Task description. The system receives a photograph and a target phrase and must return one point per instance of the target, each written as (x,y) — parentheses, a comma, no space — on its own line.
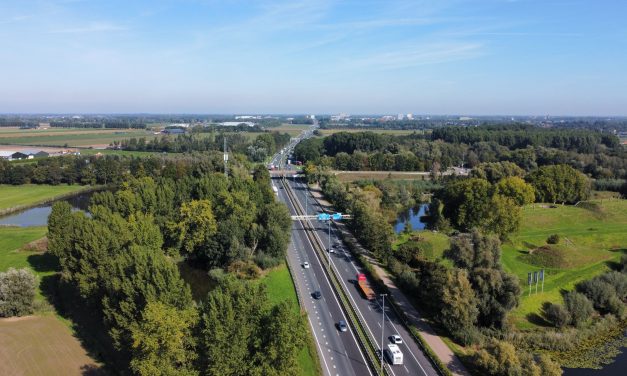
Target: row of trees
(371,151)
(520,136)
(113,169)
(264,145)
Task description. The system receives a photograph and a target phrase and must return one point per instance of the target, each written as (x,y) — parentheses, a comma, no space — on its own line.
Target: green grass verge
(12,239)
(593,236)
(280,288)
(29,194)
(437,243)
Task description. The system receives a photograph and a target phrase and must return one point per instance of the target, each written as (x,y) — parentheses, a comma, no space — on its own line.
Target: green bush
(553,239)
(17,292)
(556,314)
(579,307)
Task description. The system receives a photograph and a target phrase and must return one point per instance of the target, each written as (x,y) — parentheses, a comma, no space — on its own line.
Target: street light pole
(382,326)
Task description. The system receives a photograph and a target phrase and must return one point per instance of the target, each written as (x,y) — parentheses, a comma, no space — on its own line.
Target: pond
(413,216)
(38,215)
(617,368)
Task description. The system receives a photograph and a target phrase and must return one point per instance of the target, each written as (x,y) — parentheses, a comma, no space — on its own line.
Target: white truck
(394,354)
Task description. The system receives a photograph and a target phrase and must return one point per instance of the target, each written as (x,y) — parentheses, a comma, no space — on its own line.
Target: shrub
(579,307)
(553,239)
(556,314)
(17,292)
(602,295)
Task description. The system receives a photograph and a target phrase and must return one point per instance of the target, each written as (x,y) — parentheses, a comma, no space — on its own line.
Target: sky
(473,57)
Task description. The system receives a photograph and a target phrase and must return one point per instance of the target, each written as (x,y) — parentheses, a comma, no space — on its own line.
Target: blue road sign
(337,216)
(323,217)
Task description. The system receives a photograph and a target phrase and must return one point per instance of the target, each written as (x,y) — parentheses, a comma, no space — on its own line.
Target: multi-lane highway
(340,352)
(347,267)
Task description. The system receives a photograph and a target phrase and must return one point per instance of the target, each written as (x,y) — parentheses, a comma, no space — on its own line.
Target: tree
(163,342)
(135,278)
(517,189)
(496,171)
(196,225)
(556,314)
(229,322)
(475,250)
(283,341)
(579,307)
(459,306)
(559,183)
(17,292)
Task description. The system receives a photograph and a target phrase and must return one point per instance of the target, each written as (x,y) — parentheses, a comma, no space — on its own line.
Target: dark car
(341,325)
(317,295)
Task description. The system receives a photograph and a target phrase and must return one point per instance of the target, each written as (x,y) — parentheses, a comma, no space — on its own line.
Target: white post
(382,327)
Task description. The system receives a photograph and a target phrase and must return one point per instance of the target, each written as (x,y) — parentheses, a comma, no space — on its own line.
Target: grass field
(69,136)
(24,195)
(437,243)
(351,176)
(291,129)
(42,345)
(593,236)
(280,288)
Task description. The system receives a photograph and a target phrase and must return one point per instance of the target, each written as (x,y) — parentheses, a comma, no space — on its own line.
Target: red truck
(364,286)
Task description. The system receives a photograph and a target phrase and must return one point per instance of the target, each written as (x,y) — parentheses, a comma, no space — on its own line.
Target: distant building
(35,153)
(247,117)
(180,125)
(339,117)
(400,117)
(19,155)
(410,116)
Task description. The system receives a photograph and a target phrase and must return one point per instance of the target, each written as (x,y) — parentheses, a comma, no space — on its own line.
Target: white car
(330,250)
(396,339)
(306,265)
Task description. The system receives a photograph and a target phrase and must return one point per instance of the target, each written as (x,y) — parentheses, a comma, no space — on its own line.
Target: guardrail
(365,342)
(437,364)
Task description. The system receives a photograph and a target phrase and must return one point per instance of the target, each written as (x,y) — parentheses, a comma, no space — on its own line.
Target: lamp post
(382,326)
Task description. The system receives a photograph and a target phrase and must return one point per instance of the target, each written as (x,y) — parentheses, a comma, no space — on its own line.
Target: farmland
(42,345)
(26,195)
(69,136)
(592,237)
(351,176)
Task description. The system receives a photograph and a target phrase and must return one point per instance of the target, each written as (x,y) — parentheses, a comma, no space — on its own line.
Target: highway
(415,362)
(339,352)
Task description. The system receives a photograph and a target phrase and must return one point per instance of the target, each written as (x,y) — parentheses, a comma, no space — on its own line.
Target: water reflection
(38,216)
(413,216)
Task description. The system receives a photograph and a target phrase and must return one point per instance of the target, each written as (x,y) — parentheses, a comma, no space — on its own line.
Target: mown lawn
(437,243)
(73,137)
(19,195)
(592,238)
(280,288)
(12,239)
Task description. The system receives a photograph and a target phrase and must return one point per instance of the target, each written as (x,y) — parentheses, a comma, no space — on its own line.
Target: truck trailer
(364,286)
(394,354)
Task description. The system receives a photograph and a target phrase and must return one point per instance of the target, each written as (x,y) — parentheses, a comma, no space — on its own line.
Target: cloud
(411,56)
(92,27)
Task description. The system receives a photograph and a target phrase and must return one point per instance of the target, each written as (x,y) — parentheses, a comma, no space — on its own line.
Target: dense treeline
(263,146)
(522,135)
(110,124)
(594,153)
(118,262)
(109,169)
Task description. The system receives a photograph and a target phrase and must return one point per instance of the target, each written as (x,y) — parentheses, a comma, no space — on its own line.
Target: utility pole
(382,326)
(226,159)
